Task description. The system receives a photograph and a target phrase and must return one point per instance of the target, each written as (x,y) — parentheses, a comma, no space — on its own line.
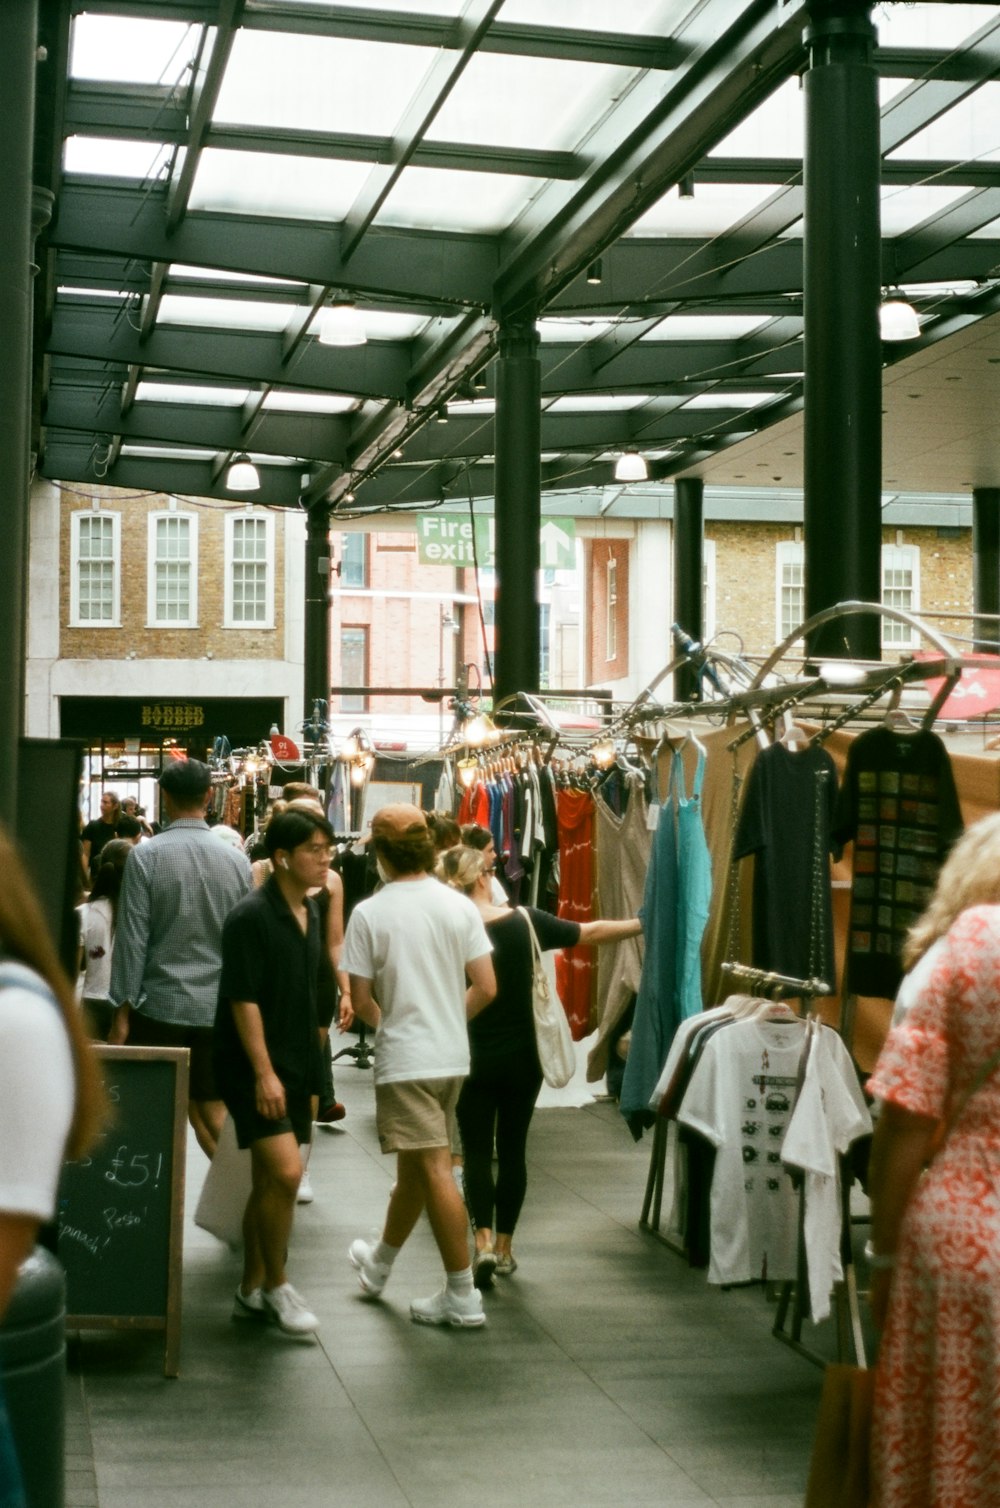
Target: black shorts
(146,1031)
(251,1126)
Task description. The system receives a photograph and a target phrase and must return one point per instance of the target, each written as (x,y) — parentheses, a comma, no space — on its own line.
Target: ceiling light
(630,467)
(342,324)
(898,319)
(242,475)
(595,273)
(479,380)
(442,414)
(685,186)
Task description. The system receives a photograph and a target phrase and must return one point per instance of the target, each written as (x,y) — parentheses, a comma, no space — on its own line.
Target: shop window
(900,589)
(353,668)
(353,560)
(95,574)
(611,616)
(173,570)
(790,588)
(249,570)
(544,614)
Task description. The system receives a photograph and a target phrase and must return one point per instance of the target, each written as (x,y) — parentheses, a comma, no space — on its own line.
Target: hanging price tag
(653,816)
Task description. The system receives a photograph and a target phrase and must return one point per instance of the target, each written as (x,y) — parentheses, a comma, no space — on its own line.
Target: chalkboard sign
(121,1207)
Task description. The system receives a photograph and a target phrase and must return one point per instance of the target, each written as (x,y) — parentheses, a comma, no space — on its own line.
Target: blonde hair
(24,935)
(460,867)
(970,876)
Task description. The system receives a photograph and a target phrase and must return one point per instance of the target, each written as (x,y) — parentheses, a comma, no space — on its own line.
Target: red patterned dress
(936,1435)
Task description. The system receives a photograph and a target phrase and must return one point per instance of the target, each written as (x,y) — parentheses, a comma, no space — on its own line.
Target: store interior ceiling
(232,178)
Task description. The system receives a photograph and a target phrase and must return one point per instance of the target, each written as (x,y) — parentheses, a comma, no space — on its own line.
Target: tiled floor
(608,1372)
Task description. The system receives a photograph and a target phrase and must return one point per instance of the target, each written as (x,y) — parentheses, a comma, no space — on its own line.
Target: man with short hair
(420,967)
(99,832)
(267,1057)
(177,890)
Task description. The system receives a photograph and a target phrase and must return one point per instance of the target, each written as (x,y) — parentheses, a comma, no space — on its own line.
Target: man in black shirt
(99,832)
(267,1054)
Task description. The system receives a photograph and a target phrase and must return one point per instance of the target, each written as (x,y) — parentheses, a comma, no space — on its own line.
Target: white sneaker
(249,1305)
(372,1275)
(464,1310)
(305,1194)
(288,1310)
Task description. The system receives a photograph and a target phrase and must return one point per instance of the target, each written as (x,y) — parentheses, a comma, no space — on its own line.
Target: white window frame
(229,618)
(75,620)
(708,597)
(611,605)
(787,552)
(897,635)
(191,621)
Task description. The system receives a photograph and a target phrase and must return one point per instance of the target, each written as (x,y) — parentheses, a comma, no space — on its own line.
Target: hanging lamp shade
(631,467)
(898,319)
(242,475)
(342,324)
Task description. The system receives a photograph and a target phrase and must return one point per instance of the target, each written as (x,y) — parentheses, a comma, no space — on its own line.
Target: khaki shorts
(416,1114)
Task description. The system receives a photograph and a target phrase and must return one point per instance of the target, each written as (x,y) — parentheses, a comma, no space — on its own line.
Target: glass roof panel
(224,313)
(108,157)
(119,49)
(720,398)
(182,392)
(220,275)
(436,199)
(967,131)
(319,83)
(472,408)
(706,326)
(774,129)
(637,18)
(508,101)
(573,331)
(595,403)
(261,183)
(283,400)
(903,208)
(411,7)
(927,25)
(714,208)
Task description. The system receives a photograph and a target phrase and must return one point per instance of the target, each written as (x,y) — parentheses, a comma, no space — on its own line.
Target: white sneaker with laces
(289,1310)
(305,1194)
(463,1310)
(372,1275)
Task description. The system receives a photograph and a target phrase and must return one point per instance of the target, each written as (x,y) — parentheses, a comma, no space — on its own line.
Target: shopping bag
(226,1190)
(553,1038)
(839,1468)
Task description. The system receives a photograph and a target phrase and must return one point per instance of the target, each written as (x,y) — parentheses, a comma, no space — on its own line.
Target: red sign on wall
(976,692)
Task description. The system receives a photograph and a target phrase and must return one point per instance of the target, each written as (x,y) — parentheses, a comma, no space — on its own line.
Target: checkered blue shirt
(177,890)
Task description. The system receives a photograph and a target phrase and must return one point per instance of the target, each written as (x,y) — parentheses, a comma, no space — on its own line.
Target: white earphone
(283,863)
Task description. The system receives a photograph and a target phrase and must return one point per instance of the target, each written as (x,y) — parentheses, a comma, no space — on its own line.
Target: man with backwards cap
(177,890)
(420,967)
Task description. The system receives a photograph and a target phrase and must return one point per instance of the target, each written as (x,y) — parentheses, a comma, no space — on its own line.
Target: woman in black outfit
(498,1097)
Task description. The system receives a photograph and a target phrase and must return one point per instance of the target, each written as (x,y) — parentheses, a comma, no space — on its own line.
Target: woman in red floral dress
(936,1227)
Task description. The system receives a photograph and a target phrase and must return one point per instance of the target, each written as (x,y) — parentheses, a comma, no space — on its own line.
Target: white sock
(384,1254)
(459,1283)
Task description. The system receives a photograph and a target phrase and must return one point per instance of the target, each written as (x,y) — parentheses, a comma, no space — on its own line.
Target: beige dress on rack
(623,849)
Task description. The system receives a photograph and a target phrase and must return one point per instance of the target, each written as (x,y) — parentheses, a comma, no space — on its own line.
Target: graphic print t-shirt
(899,804)
(741,1098)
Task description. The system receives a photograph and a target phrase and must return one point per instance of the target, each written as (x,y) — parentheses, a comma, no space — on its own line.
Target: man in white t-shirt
(420,967)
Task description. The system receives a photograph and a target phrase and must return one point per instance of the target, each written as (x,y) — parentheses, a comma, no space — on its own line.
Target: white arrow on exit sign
(557,545)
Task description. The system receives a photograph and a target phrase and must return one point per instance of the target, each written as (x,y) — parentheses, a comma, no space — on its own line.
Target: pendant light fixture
(342,324)
(631,467)
(897,318)
(242,475)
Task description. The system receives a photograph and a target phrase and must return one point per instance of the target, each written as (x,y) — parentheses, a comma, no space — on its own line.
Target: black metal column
(689,492)
(986,565)
(317,609)
(18,41)
(518,508)
(843,366)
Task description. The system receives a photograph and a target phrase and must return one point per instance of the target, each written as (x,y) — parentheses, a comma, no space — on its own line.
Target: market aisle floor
(608,1372)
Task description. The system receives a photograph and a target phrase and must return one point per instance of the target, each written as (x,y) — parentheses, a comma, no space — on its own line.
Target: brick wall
(745,574)
(209,637)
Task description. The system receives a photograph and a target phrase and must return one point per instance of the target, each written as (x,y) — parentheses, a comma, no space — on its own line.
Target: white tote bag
(552,1034)
(226,1190)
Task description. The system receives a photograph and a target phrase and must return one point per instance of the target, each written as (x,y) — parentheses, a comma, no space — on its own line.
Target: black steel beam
(204,97)
(107,218)
(929,98)
(73,461)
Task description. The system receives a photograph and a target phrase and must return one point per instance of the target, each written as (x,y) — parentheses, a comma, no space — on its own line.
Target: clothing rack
(764,982)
